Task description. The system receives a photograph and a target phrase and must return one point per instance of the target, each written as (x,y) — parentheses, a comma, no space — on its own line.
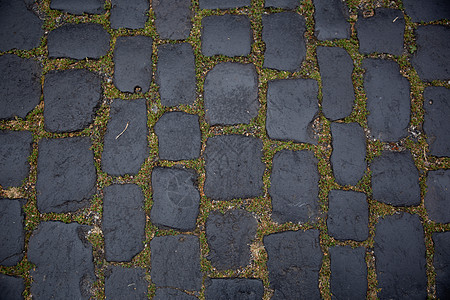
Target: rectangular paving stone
(12,232)
(79,7)
(330,18)
(133,63)
(175,74)
(234,168)
(175,262)
(64,262)
(436,120)
(168,293)
(437,197)
(400,257)
(172,18)
(441,262)
(294,261)
(130,14)
(228,35)
(338,96)
(78,41)
(20,86)
(282,34)
(125,144)
(286,4)
(123,221)
(71,98)
(348,272)
(291,107)
(125,283)
(426,11)
(11,288)
(66,176)
(239,289)
(388,100)
(223,4)
(15,148)
(294,187)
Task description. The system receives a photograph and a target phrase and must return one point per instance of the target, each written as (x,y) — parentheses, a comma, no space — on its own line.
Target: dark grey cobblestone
(173,18)
(426,11)
(234,289)
(331,19)
(12,233)
(78,7)
(125,283)
(223,4)
(172,294)
(11,287)
(437,198)
(130,14)
(286,4)
(15,148)
(441,263)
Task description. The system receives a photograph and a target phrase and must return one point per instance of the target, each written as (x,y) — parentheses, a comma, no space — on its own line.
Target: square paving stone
(229,237)
(235,289)
(338,96)
(292,106)
(231,94)
(133,63)
(388,100)
(66,177)
(294,187)
(229,35)
(175,74)
(175,262)
(20,28)
(71,98)
(382,33)
(294,261)
(285,46)
(395,179)
(437,198)
(64,262)
(15,148)
(400,257)
(331,19)
(125,283)
(286,4)
(179,136)
(173,18)
(125,151)
(348,272)
(223,4)
(11,288)
(79,7)
(176,199)
(20,86)
(348,215)
(234,167)
(11,232)
(349,152)
(123,221)
(432,59)
(441,263)
(426,11)
(130,14)
(78,41)
(437,122)
(167,293)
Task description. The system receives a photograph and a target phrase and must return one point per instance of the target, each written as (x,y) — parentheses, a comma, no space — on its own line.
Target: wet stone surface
(54,248)
(123,221)
(294,261)
(20,86)
(167,293)
(15,148)
(223,4)
(441,263)
(400,257)
(286,4)
(78,7)
(173,18)
(11,287)
(437,198)
(12,234)
(176,199)
(236,289)
(294,187)
(229,236)
(130,14)
(125,283)
(331,19)
(291,107)
(125,143)
(426,11)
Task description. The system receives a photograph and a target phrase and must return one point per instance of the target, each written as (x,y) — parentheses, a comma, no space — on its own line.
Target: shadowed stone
(11,232)
(283,35)
(294,260)
(380,33)
(15,148)
(20,86)
(66,177)
(133,63)
(125,144)
(223,4)
(129,14)
(231,94)
(336,67)
(175,74)
(437,198)
(64,263)
(388,100)
(400,257)
(291,107)
(176,199)
(285,4)
(441,263)
(11,288)
(331,19)
(348,215)
(79,7)
(426,11)
(123,221)
(294,187)
(173,18)
(233,167)
(78,41)
(173,294)
(236,289)
(125,283)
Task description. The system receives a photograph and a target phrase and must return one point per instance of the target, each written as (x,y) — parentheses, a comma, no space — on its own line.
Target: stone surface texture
(286,4)
(441,263)
(79,7)
(173,18)
(331,19)
(11,287)
(173,294)
(12,232)
(15,148)
(235,289)
(223,4)
(125,283)
(426,11)
(130,14)
(437,198)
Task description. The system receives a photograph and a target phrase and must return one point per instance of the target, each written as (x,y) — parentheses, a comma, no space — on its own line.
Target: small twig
(395,19)
(122,131)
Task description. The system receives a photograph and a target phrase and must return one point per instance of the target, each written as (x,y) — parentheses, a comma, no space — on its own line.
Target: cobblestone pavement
(224,149)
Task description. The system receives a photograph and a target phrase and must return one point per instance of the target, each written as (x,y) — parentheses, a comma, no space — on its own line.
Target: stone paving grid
(415,142)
